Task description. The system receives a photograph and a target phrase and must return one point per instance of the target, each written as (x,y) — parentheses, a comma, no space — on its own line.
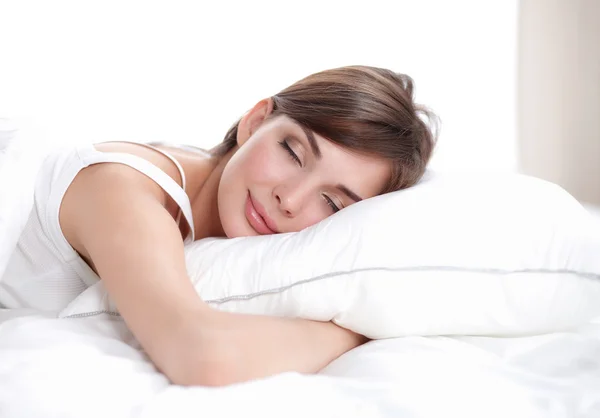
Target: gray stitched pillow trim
(344,273)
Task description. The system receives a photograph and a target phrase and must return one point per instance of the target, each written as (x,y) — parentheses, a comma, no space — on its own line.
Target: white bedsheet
(92,367)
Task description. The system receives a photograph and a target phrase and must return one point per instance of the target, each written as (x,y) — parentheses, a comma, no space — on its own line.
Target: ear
(250,122)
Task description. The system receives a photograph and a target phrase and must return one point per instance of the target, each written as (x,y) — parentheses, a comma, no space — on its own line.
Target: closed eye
(286,146)
(331,204)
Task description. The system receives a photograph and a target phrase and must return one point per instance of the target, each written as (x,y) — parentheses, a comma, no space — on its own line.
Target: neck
(204,200)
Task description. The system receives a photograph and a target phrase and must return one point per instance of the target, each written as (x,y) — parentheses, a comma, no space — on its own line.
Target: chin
(236,228)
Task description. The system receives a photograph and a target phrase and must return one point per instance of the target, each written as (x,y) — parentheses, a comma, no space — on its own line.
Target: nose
(291,198)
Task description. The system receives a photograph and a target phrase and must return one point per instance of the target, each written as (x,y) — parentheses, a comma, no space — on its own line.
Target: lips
(257,218)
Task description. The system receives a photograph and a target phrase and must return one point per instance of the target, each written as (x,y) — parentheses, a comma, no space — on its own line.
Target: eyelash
(284,144)
(290,151)
(332,205)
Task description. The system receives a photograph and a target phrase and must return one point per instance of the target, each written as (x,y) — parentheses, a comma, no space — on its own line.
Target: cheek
(255,166)
(266,164)
(312,214)
(245,166)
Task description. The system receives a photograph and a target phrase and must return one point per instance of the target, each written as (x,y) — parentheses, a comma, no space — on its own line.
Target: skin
(123,225)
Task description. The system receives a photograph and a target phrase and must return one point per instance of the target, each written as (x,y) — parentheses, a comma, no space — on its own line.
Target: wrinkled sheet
(93,367)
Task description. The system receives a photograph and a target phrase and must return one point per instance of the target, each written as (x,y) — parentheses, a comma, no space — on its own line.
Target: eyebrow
(349,193)
(314,146)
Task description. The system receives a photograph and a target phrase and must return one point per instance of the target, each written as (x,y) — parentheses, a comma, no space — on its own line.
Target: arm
(228,348)
(116,217)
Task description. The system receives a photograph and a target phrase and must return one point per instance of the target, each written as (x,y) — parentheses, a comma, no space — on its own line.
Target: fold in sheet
(93,367)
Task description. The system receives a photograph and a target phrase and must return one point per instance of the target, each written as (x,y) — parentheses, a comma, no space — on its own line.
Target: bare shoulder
(122,185)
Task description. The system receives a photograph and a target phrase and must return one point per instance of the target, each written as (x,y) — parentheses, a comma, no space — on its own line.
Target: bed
(515,357)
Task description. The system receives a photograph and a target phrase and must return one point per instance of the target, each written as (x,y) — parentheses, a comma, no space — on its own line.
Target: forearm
(228,348)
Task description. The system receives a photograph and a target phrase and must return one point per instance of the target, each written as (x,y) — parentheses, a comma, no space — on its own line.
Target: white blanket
(92,367)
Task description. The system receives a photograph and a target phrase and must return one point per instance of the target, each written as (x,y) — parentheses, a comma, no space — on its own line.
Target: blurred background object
(559,94)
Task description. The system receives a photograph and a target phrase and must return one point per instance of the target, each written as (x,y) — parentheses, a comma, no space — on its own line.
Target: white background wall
(184,71)
(559,94)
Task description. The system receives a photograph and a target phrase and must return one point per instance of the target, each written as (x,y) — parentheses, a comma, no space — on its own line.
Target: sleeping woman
(122,212)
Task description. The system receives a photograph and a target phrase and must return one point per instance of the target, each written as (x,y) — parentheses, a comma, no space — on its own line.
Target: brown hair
(365,109)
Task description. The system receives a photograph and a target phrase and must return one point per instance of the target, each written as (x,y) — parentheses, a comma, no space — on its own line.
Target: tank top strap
(166,154)
(166,182)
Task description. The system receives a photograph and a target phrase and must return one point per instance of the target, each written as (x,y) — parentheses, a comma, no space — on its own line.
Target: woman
(123,211)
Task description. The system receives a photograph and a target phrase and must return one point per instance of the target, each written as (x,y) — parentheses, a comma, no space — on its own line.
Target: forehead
(364,174)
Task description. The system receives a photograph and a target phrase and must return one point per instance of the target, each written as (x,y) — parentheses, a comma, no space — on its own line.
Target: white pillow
(460,253)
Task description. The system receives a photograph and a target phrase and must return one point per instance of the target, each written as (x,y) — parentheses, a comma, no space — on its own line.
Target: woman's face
(283,178)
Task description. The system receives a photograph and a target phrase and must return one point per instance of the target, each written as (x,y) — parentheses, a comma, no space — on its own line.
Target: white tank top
(44,272)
